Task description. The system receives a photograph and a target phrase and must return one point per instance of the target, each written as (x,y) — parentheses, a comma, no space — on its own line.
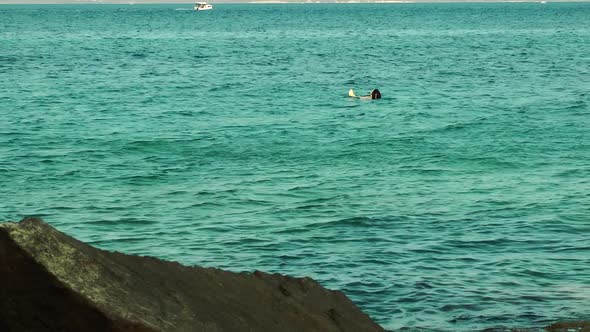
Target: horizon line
(162,2)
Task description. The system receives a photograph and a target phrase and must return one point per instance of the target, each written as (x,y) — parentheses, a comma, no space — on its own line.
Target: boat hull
(203,7)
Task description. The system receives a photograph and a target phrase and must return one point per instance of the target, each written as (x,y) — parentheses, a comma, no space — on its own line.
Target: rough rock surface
(574,326)
(577,326)
(52,282)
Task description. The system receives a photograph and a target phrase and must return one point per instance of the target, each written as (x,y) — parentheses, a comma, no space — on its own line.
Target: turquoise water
(459,201)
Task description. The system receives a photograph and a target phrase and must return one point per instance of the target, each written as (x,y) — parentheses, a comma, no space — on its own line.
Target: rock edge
(53,282)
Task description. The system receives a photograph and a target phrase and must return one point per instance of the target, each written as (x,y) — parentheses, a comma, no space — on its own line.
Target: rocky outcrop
(575,326)
(578,326)
(52,282)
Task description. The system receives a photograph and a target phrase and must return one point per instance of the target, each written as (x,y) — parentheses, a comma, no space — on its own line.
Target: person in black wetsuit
(375,94)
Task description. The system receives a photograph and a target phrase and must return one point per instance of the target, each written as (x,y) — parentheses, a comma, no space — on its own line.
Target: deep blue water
(459,201)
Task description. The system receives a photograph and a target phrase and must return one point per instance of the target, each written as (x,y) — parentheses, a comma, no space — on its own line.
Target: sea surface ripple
(459,201)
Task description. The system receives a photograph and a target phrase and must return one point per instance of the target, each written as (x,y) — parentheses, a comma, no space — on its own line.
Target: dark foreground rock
(574,326)
(579,326)
(52,282)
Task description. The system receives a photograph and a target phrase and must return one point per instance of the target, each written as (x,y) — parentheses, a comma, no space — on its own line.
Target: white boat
(203,6)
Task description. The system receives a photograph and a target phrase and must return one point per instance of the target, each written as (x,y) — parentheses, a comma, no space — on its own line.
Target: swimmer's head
(375,94)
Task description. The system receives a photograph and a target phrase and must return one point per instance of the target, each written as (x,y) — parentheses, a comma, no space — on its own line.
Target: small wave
(7,61)
(224,87)
(309,207)
(460,306)
(353,222)
(574,249)
(204,204)
(123,221)
(578,105)
(201,56)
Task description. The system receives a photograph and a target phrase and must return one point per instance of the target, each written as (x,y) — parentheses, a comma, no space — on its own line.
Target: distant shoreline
(160,2)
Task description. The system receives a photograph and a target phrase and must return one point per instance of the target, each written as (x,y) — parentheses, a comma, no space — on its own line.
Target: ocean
(459,201)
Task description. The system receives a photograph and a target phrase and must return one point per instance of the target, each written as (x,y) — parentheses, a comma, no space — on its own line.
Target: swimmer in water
(375,94)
